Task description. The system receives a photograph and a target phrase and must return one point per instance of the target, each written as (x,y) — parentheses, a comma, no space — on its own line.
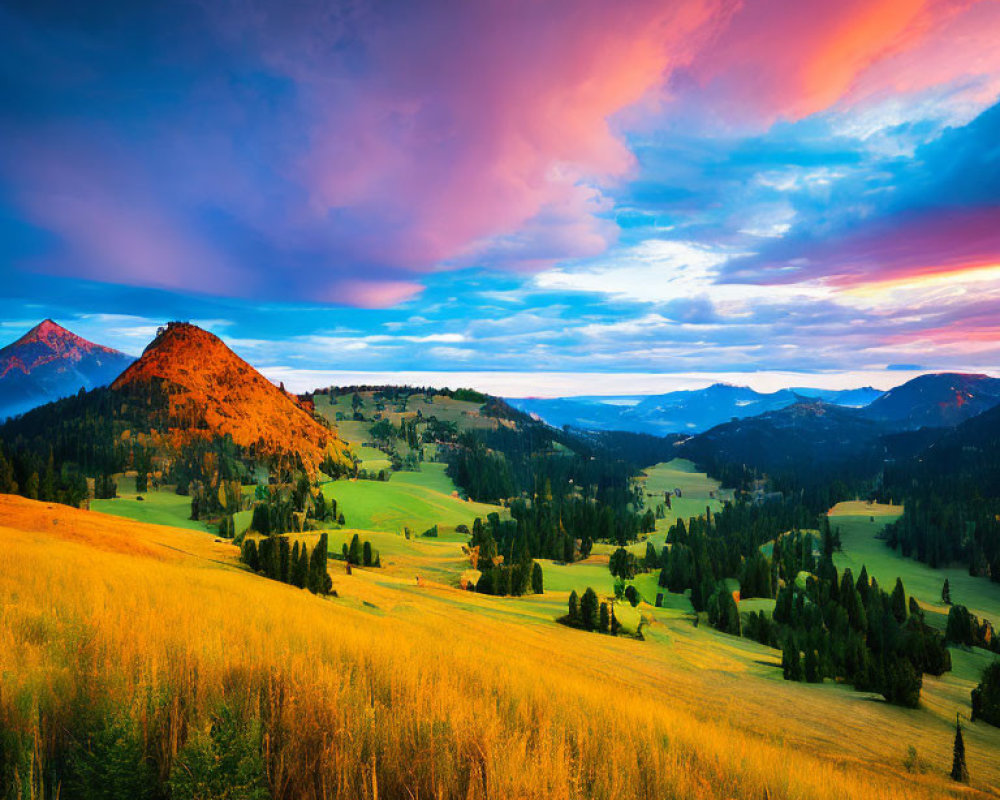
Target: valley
(439,658)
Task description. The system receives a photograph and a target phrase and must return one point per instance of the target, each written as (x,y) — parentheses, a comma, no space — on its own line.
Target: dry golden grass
(393,691)
(862,507)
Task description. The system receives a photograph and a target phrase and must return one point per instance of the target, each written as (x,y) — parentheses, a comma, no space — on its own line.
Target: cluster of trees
(50,452)
(986,696)
(590,613)
(278,560)
(519,578)
(946,530)
(830,625)
(965,628)
(505,560)
(361,554)
(952,499)
(707,550)
(300,506)
(25,473)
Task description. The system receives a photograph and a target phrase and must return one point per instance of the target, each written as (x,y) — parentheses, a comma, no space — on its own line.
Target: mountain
(935,401)
(691,411)
(806,437)
(210,391)
(50,362)
(915,422)
(586,413)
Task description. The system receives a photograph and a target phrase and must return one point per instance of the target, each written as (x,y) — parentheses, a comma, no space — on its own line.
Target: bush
(986,696)
(223,763)
(108,763)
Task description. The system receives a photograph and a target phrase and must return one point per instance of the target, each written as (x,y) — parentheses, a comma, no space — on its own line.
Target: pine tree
(354,551)
(812,673)
(959,771)
(366,554)
(588,609)
(574,606)
(791,664)
(864,586)
(284,559)
(536,578)
(248,554)
(946,593)
(899,601)
(300,568)
(605,620)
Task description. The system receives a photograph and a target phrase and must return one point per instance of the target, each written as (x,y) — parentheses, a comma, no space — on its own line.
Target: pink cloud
(107,216)
(475,119)
(898,247)
(789,60)
(372,294)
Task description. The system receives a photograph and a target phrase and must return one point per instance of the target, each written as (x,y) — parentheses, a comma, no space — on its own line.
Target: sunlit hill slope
(128,647)
(212,391)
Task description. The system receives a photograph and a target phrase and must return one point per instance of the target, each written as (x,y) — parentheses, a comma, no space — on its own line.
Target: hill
(933,401)
(188,411)
(210,391)
(811,433)
(689,411)
(416,690)
(50,362)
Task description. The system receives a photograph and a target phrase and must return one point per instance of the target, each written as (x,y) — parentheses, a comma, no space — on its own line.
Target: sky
(561,197)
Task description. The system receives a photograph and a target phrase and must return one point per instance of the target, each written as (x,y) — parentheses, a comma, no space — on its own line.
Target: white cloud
(663,270)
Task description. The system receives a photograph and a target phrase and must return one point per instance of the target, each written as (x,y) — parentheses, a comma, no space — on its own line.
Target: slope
(394,690)
(210,391)
(50,362)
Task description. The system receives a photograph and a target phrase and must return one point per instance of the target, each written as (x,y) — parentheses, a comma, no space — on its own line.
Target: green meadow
(416,500)
(860,526)
(698,491)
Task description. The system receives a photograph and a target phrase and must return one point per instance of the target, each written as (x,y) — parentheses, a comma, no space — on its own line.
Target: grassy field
(397,690)
(416,500)
(160,507)
(860,524)
(697,490)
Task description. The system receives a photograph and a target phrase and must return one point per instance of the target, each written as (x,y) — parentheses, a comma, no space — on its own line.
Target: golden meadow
(397,691)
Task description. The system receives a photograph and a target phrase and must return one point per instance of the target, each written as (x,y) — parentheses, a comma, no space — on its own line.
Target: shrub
(223,763)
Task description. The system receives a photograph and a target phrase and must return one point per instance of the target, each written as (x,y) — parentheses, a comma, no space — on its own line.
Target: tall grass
(402,700)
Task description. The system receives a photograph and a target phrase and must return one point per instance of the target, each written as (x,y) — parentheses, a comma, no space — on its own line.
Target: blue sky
(666,194)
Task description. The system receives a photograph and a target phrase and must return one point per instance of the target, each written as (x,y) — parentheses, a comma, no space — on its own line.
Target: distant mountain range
(50,362)
(925,413)
(690,412)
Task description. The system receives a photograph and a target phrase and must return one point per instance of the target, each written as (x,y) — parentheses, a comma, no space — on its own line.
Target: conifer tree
(588,609)
(354,551)
(899,601)
(959,771)
(864,585)
(249,554)
(946,593)
(574,606)
(791,664)
(284,559)
(605,620)
(366,554)
(812,674)
(300,567)
(536,578)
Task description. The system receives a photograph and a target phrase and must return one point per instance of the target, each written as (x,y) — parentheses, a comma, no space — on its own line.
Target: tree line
(275,558)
